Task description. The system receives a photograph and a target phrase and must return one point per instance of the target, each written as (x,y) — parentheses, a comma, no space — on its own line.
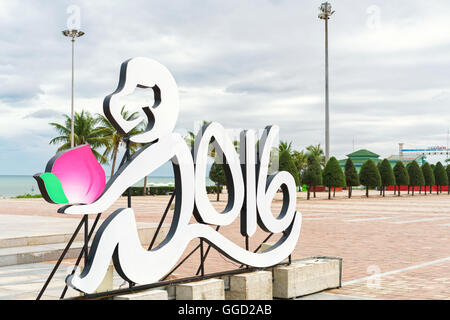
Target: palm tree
(190,139)
(113,139)
(300,159)
(85,131)
(317,152)
(284,145)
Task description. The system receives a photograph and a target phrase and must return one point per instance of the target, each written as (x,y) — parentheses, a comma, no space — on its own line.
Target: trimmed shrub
(369,175)
(333,175)
(428,176)
(441,176)
(401,175)
(386,174)
(351,176)
(416,177)
(217,174)
(313,175)
(161,190)
(286,163)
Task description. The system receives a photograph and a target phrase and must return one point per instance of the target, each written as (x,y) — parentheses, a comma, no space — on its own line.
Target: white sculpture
(117,237)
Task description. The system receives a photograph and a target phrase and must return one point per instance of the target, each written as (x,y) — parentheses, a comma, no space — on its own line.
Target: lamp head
(325,10)
(73,33)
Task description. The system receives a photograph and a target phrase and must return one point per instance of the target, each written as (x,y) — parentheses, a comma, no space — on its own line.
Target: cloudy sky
(243,63)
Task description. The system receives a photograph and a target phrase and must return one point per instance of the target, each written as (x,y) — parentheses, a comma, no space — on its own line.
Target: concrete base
(210,289)
(145,295)
(306,277)
(250,286)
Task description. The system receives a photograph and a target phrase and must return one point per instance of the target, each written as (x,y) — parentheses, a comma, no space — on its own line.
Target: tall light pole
(72,34)
(325,14)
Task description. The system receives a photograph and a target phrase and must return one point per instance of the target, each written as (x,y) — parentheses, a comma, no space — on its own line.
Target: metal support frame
(81,254)
(161,221)
(84,252)
(127,156)
(199,275)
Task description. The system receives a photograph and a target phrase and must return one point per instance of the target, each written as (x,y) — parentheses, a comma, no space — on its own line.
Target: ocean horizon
(16,185)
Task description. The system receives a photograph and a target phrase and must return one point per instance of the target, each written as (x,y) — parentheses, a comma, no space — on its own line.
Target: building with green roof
(361,156)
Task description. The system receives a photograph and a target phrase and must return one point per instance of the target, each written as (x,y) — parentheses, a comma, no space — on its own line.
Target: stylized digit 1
(248,164)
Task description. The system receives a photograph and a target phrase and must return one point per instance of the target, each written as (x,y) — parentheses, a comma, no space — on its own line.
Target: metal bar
(327,100)
(179,264)
(202,264)
(259,247)
(161,221)
(81,254)
(72,143)
(124,158)
(246,245)
(206,254)
(128,158)
(86,238)
(60,259)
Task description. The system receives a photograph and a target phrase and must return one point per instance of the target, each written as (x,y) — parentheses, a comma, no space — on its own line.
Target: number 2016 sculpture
(75,176)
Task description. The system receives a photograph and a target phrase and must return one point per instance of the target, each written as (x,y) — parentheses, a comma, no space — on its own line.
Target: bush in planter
(160,190)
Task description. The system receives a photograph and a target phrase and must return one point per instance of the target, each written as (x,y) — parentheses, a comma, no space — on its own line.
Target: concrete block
(145,295)
(210,289)
(250,286)
(266,246)
(306,277)
(146,234)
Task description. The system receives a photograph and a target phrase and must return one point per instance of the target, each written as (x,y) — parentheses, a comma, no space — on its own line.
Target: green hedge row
(161,190)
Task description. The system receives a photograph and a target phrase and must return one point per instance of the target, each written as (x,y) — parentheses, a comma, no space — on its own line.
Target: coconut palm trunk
(145,186)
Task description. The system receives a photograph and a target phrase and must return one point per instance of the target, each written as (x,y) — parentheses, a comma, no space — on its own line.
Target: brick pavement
(404,239)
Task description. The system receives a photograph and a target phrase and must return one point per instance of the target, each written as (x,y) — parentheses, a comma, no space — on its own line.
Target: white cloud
(243,63)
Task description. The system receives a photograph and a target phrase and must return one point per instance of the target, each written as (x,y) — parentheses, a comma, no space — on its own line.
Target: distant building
(361,156)
(419,158)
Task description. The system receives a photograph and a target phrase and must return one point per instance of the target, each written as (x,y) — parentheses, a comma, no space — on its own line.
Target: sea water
(15,185)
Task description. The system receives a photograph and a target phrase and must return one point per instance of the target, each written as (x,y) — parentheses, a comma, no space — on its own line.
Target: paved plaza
(403,240)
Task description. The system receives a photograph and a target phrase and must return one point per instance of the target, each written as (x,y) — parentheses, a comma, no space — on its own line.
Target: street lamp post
(72,34)
(325,13)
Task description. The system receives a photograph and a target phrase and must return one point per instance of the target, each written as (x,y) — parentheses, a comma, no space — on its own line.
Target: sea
(15,185)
